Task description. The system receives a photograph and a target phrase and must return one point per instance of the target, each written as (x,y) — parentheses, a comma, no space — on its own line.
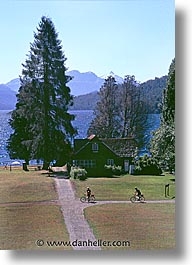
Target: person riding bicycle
(137,193)
(88,192)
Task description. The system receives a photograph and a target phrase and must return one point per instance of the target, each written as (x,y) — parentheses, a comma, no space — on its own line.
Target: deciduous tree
(106,121)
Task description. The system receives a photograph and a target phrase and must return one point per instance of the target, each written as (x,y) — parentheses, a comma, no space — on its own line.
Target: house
(94,153)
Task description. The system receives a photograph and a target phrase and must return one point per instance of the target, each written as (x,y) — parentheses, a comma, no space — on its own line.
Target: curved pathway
(72,210)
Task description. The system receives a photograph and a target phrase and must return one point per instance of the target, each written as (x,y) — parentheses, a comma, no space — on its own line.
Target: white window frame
(86,163)
(110,162)
(95,147)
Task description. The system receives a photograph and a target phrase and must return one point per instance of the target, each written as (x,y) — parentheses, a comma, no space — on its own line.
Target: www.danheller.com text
(84,243)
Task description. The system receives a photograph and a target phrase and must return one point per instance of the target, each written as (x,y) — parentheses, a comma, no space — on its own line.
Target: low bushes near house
(146,165)
(78,173)
(113,170)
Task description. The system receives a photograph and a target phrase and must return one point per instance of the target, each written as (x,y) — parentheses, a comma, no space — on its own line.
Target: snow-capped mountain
(84,83)
(118,78)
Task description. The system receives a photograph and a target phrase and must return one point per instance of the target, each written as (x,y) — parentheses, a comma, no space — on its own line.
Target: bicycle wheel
(133,199)
(92,199)
(142,199)
(83,199)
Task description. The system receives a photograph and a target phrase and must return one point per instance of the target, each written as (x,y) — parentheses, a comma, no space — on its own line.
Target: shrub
(146,165)
(78,173)
(113,170)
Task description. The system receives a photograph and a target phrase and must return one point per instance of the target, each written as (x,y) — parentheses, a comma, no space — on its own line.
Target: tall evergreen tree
(41,122)
(106,121)
(163,142)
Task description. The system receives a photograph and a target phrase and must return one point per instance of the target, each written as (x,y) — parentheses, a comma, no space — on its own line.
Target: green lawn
(21,226)
(122,188)
(145,226)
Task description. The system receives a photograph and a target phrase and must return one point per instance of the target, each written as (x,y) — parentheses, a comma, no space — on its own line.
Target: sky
(130,37)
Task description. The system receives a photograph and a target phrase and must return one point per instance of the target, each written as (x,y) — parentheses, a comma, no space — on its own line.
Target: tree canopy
(163,142)
(120,111)
(106,123)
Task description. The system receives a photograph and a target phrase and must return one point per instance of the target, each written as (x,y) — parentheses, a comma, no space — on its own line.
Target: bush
(78,173)
(113,170)
(146,165)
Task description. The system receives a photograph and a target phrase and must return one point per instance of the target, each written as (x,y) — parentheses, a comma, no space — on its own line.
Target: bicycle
(137,198)
(84,198)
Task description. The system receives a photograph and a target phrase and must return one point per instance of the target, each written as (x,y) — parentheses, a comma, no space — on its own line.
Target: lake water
(81,122)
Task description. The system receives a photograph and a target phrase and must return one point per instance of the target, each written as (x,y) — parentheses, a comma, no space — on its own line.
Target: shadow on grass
(55,175)
(107,177)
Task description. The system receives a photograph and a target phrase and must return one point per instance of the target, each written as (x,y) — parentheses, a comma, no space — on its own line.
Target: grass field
(145,226)
(122,188)
(21,186)
(21,226)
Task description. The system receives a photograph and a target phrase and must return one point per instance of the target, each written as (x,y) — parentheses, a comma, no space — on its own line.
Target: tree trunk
(45,165)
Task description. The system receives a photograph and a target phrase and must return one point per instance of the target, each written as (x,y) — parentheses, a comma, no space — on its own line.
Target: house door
(126,165)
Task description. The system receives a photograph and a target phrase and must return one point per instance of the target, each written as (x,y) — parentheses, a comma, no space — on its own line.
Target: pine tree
(163,142)
(41,122)
(106,121)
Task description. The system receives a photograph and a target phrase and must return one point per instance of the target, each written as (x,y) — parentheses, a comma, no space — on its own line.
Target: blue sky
(134,37)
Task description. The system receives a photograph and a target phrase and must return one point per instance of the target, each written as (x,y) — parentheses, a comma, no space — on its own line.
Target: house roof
(79,143)
(123,147)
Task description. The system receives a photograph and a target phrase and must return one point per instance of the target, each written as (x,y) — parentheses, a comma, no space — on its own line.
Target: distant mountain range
(7,98)
(81,84)
(84,87)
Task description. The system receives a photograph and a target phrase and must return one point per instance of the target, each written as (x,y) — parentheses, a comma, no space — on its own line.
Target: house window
(95,147)
(110,162)
(86,163)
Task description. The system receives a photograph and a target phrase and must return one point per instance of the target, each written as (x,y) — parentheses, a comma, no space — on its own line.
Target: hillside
(85,102)
(152,93)
(7,98)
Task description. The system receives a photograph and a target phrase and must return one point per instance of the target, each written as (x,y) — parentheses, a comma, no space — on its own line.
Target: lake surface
(82,121)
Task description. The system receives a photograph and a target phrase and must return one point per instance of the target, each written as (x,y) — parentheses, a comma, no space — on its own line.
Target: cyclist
(88,192)
(137,193)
